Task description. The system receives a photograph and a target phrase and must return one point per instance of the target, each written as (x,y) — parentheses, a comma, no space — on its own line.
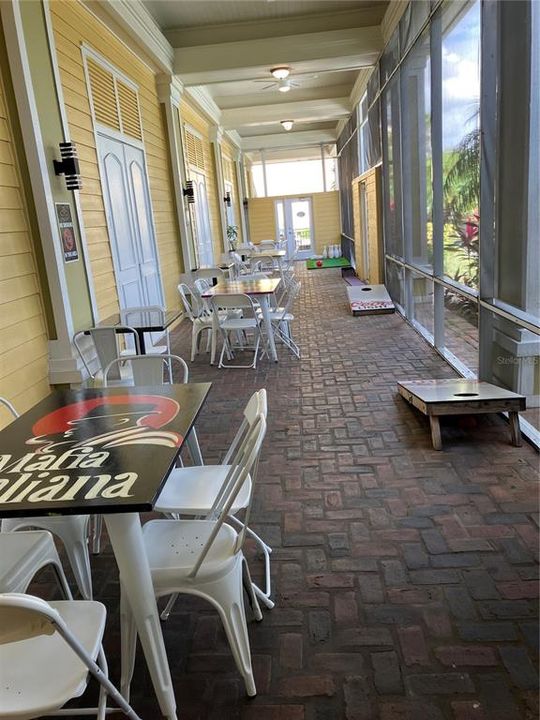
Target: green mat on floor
(312,263)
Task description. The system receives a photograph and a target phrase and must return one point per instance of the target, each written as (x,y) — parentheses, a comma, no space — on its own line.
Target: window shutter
(103,95)
(116,105)
(194,150)
(129,111)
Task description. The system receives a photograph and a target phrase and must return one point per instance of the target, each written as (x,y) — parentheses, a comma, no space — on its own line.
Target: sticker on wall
(67,232)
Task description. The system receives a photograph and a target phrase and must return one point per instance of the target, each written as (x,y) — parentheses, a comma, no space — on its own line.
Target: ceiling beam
(275,27)
(349,48)
(303,110)
(288,139)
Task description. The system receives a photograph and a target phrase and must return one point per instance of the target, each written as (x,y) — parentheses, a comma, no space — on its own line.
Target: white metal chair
(156,370)
(264,263)
(47,651)
(200,318)
(281,318)
(192,491)
(230,324)
(128,314)
(71,529)
(22,555)
(203,558)
(107,348)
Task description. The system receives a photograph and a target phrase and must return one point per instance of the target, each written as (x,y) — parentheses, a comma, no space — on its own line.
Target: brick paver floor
(405,579)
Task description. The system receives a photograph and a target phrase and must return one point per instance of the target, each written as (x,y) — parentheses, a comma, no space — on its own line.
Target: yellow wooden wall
(23,337)
(229,173)
(326,219)
(191,115)
(372,182)
(73,25)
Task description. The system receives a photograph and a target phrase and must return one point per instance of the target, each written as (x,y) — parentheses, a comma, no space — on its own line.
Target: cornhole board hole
(462,397)
(369,300)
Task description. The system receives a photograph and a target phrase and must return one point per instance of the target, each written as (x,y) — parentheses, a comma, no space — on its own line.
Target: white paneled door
(129,220)
(201,212)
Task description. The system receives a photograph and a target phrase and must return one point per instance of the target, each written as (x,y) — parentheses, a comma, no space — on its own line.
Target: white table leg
(264,301)
(125,533)
(194,448)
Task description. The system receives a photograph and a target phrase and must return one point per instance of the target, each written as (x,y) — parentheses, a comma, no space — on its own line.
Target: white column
(170,91)
(216,135)
(241,194)
(63,365)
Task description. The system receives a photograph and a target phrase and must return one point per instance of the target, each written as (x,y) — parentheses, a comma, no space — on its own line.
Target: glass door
(294,222)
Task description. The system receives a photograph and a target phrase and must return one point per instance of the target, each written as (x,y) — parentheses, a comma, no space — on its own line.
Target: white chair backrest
(9,407)
(241,467)
(202,285)
(257,405)
(23,617)
(264,262)
(234,302)
(268,244)
(239,264)
(105,341)
(149,369)
(190,301)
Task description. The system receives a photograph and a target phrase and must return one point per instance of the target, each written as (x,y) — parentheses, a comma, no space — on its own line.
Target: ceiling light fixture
(284,86)
(281,72)
(287,124)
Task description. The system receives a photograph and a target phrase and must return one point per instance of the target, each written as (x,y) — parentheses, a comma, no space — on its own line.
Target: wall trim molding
(134,18)
(202,98)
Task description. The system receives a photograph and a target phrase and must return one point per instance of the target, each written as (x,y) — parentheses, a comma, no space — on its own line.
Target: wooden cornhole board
(369,300)
(462,397)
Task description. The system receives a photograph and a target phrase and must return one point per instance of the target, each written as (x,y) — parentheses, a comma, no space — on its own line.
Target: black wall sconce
(245,203)
(189,192)
(69,166)
(227,199)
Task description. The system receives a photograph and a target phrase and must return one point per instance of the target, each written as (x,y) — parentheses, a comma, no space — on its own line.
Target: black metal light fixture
(69,166)
(245,203)
(189,192)
(227,199)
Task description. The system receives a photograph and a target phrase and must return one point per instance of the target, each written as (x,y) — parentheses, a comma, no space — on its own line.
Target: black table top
(145,320)
(99,450)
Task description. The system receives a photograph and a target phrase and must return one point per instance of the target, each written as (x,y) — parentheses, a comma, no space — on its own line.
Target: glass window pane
(422,291)
(518,162)
(395,282)
(411,21)
(461,139)
(390,57)
(392,168)
(373,151)
(295,176)
(461,328)
(373,85)
(511,359)
(416,153)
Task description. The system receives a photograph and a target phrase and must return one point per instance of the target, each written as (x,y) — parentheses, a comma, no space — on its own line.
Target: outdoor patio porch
(404,578)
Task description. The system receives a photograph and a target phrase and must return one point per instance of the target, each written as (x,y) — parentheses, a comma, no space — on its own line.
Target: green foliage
(232,235)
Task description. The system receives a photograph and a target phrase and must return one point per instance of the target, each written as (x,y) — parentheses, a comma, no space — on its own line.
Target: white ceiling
(199,13)
(225,47)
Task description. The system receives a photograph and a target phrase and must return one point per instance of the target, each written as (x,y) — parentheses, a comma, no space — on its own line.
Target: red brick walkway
(405,579)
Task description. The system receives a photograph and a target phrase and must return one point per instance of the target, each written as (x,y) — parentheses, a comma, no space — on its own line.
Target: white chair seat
(232,323)
(41,673)
(173,546)
(192,490)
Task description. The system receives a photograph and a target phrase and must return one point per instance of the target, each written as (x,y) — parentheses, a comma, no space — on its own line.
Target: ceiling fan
(282,81)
